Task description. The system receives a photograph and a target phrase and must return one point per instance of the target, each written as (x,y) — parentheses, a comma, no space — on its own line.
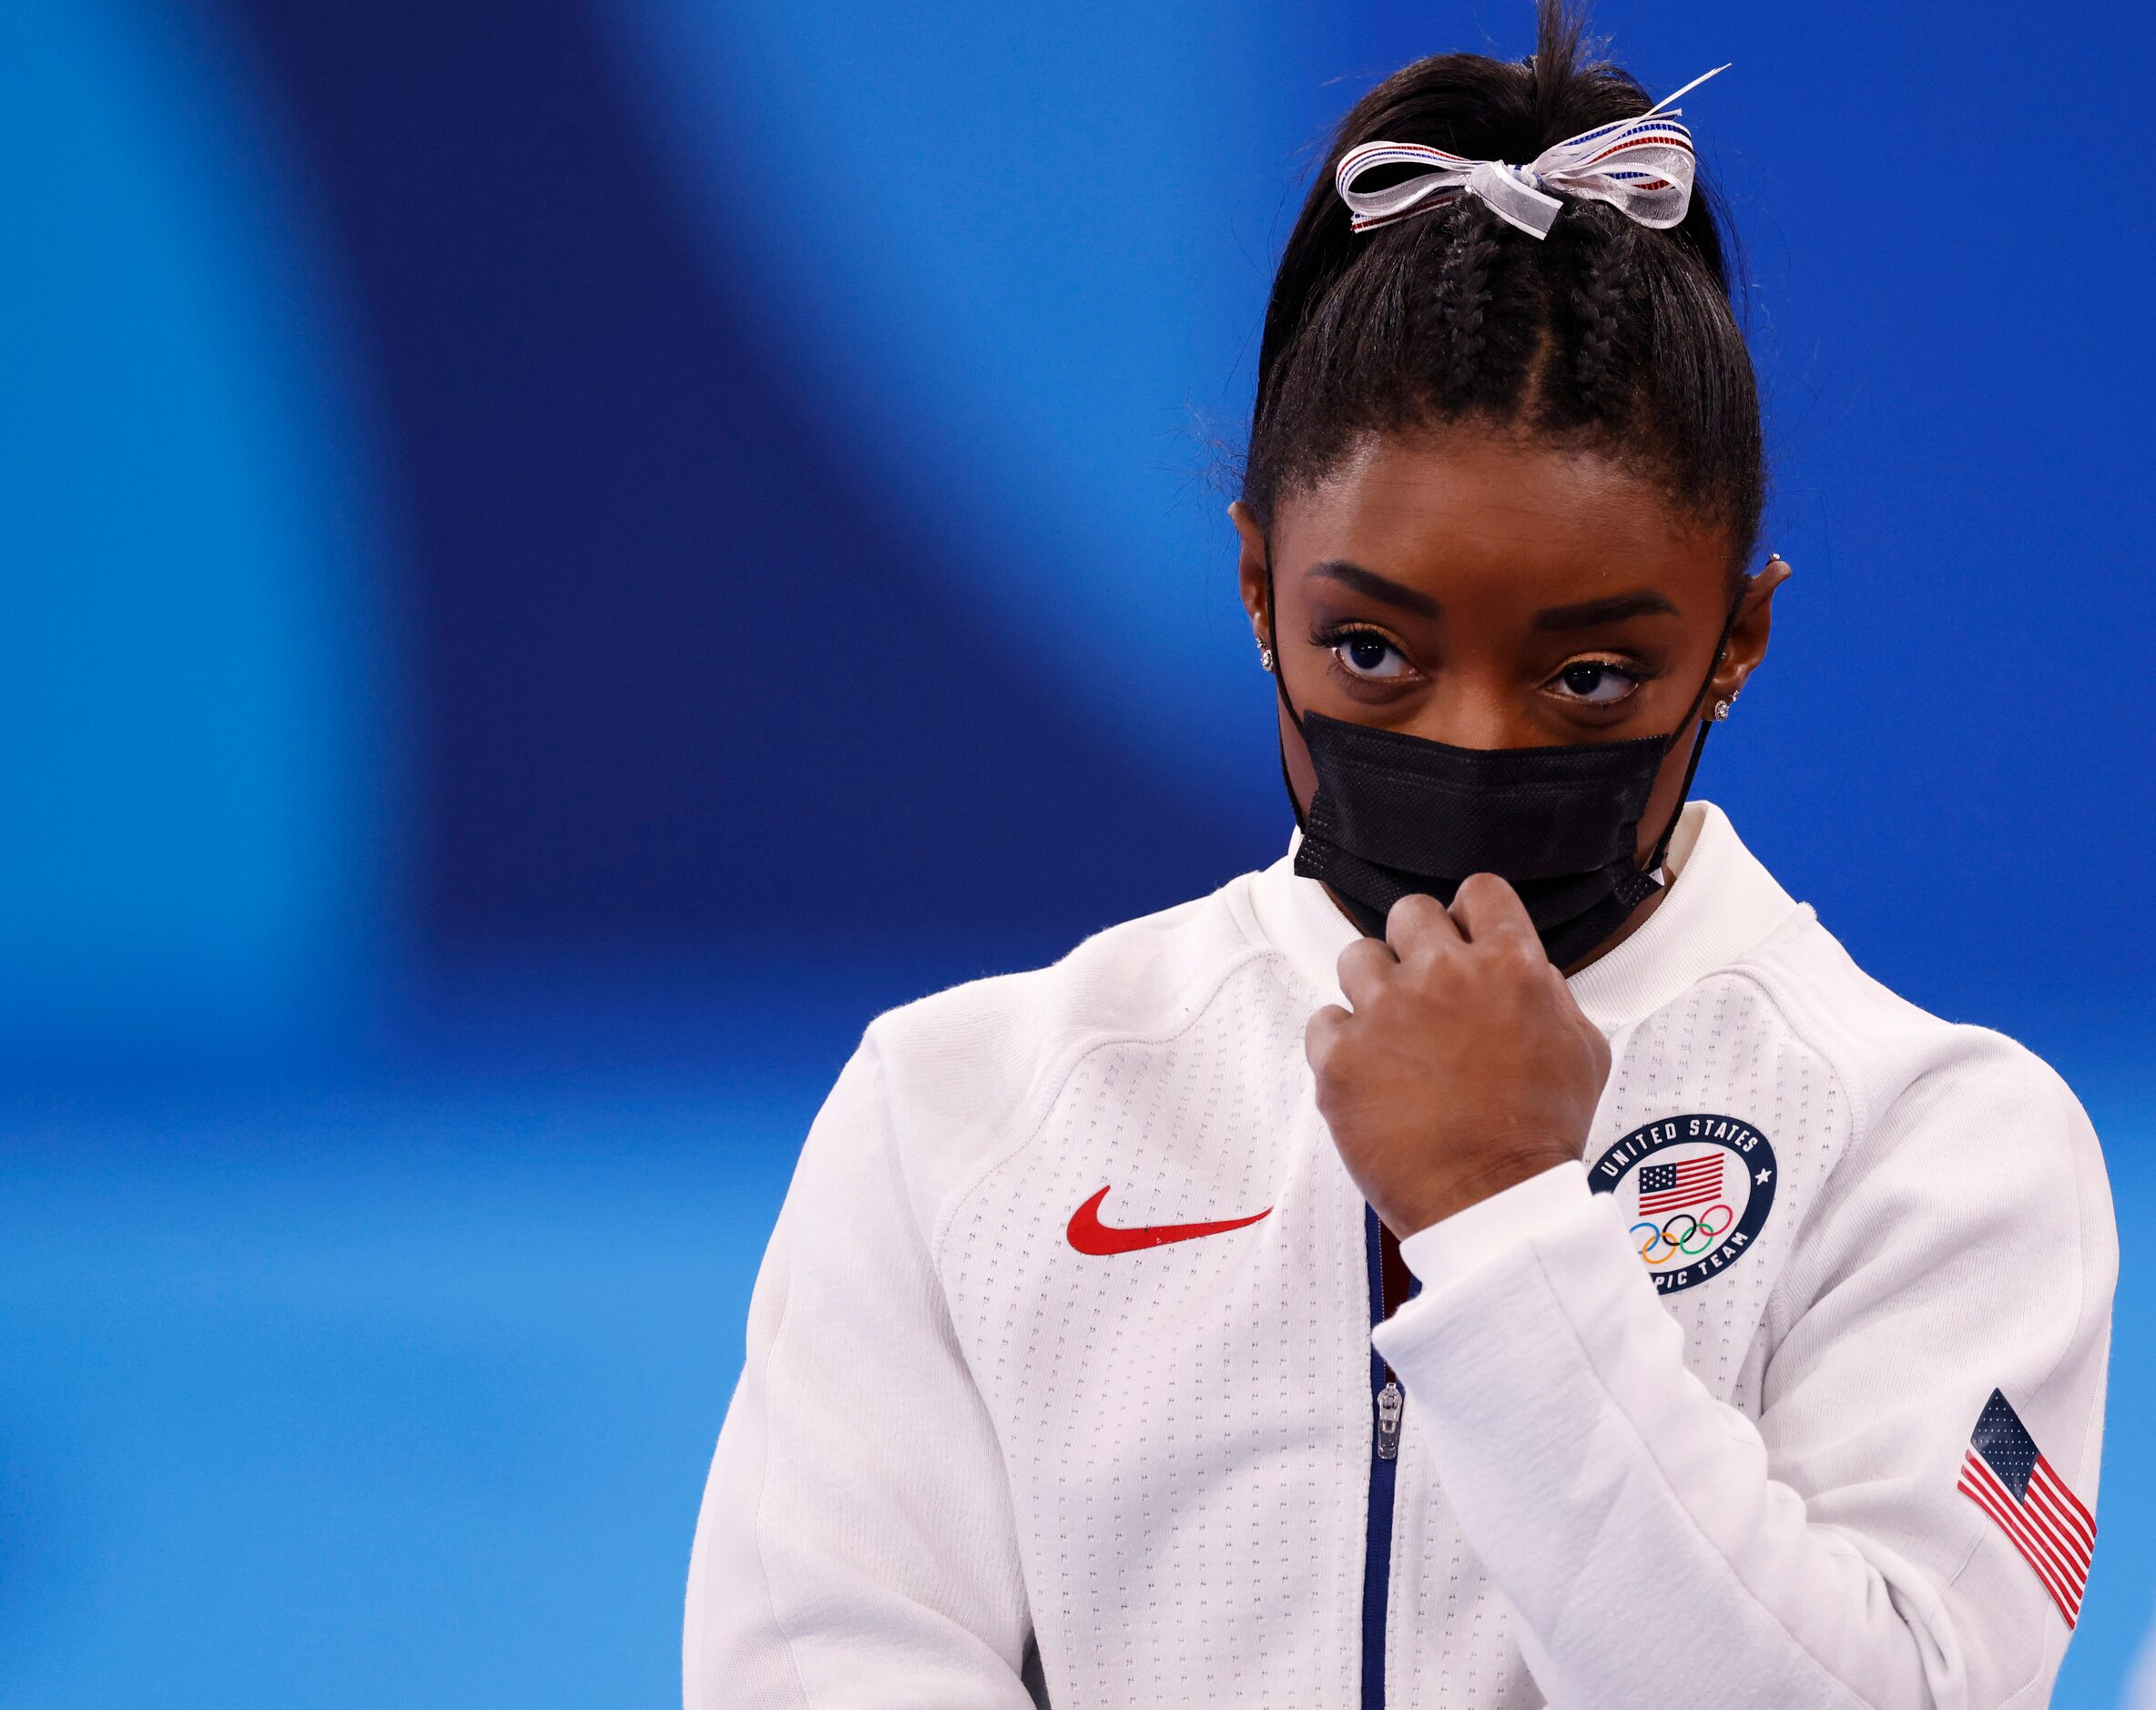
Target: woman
(1503,1252)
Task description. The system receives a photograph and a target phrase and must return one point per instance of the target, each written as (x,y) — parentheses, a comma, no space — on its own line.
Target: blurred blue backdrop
(559,557)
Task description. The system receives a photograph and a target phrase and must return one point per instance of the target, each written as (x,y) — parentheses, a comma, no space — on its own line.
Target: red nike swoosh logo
(1090,1234)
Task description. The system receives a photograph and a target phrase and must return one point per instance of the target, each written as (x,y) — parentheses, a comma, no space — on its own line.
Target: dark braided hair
(1606,334)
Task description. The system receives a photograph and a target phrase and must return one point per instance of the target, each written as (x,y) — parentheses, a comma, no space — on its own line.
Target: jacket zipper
(1387,1400)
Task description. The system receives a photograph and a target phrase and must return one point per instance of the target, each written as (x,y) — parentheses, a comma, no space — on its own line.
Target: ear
(1250,570)
(1748,634)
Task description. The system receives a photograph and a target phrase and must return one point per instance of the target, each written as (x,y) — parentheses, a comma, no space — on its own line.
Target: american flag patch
(1671,1186)
(2005,1475)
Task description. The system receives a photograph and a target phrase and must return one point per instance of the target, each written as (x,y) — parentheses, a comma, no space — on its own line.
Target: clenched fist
(1465,1067)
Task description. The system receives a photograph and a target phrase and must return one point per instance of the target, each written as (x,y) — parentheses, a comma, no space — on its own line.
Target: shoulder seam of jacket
(1789,1011)
(1791,1002)
(1042,1098)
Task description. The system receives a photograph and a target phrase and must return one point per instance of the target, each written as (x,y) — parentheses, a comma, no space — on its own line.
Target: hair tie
(1642,167)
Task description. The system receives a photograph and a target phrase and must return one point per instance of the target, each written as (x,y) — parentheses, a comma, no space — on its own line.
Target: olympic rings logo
(1698,1235)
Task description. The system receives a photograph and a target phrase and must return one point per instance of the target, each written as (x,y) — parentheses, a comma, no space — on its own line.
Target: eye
(1596,682)
(1367,654)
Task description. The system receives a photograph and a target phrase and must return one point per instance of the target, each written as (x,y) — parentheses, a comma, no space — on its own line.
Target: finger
(1419,924)
(1486,909)
(1363,967)
(1322,1034)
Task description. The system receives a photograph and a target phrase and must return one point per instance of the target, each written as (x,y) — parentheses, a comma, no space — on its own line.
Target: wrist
(1461,1187)
(1524,1213)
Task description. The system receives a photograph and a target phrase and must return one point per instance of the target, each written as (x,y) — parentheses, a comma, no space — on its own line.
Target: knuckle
(1486,891)
(1362,960)
(1515,959)
(1526,953)
(1412,914)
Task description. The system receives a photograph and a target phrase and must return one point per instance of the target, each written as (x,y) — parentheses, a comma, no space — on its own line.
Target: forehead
(1481,518)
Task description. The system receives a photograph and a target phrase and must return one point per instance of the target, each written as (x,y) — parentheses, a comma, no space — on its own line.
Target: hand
(1466,1065)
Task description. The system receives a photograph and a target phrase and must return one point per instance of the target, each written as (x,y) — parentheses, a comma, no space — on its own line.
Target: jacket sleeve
(1645,1533)
(855,1546)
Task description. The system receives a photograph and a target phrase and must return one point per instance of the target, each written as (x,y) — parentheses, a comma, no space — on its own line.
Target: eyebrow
(1616,608)
(1372,585)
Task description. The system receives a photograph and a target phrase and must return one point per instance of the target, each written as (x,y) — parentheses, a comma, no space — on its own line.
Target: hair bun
(1609,331)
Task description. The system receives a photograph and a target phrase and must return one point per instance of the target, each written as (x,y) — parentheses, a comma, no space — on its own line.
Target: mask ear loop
(1699,743)
(1280,688)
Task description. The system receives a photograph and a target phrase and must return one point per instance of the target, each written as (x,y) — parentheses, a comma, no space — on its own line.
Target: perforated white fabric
(955,1430)
(1183,1427)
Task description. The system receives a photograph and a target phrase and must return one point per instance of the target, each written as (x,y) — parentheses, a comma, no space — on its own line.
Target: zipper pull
(1391,1400)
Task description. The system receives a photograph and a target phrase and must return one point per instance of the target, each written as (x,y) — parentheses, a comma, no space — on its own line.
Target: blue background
(558,558)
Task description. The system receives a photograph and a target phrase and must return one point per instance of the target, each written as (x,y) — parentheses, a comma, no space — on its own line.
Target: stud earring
(1721,710)
(1265,656)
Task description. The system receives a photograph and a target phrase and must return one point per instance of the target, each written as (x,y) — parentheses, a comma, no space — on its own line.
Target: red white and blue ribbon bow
(1640,166)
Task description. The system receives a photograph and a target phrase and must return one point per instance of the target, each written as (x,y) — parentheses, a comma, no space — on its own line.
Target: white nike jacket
(1062,1376)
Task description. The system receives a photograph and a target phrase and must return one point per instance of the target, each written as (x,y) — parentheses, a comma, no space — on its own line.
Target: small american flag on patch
(1671,1186)
(2005,1475)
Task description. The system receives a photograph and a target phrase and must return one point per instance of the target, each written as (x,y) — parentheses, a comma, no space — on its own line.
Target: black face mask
(1397,815)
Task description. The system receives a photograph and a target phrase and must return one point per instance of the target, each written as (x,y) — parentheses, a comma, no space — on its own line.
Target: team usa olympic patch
(1697,1190)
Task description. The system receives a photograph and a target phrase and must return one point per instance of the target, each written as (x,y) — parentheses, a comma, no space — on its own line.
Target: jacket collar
(1721,902)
